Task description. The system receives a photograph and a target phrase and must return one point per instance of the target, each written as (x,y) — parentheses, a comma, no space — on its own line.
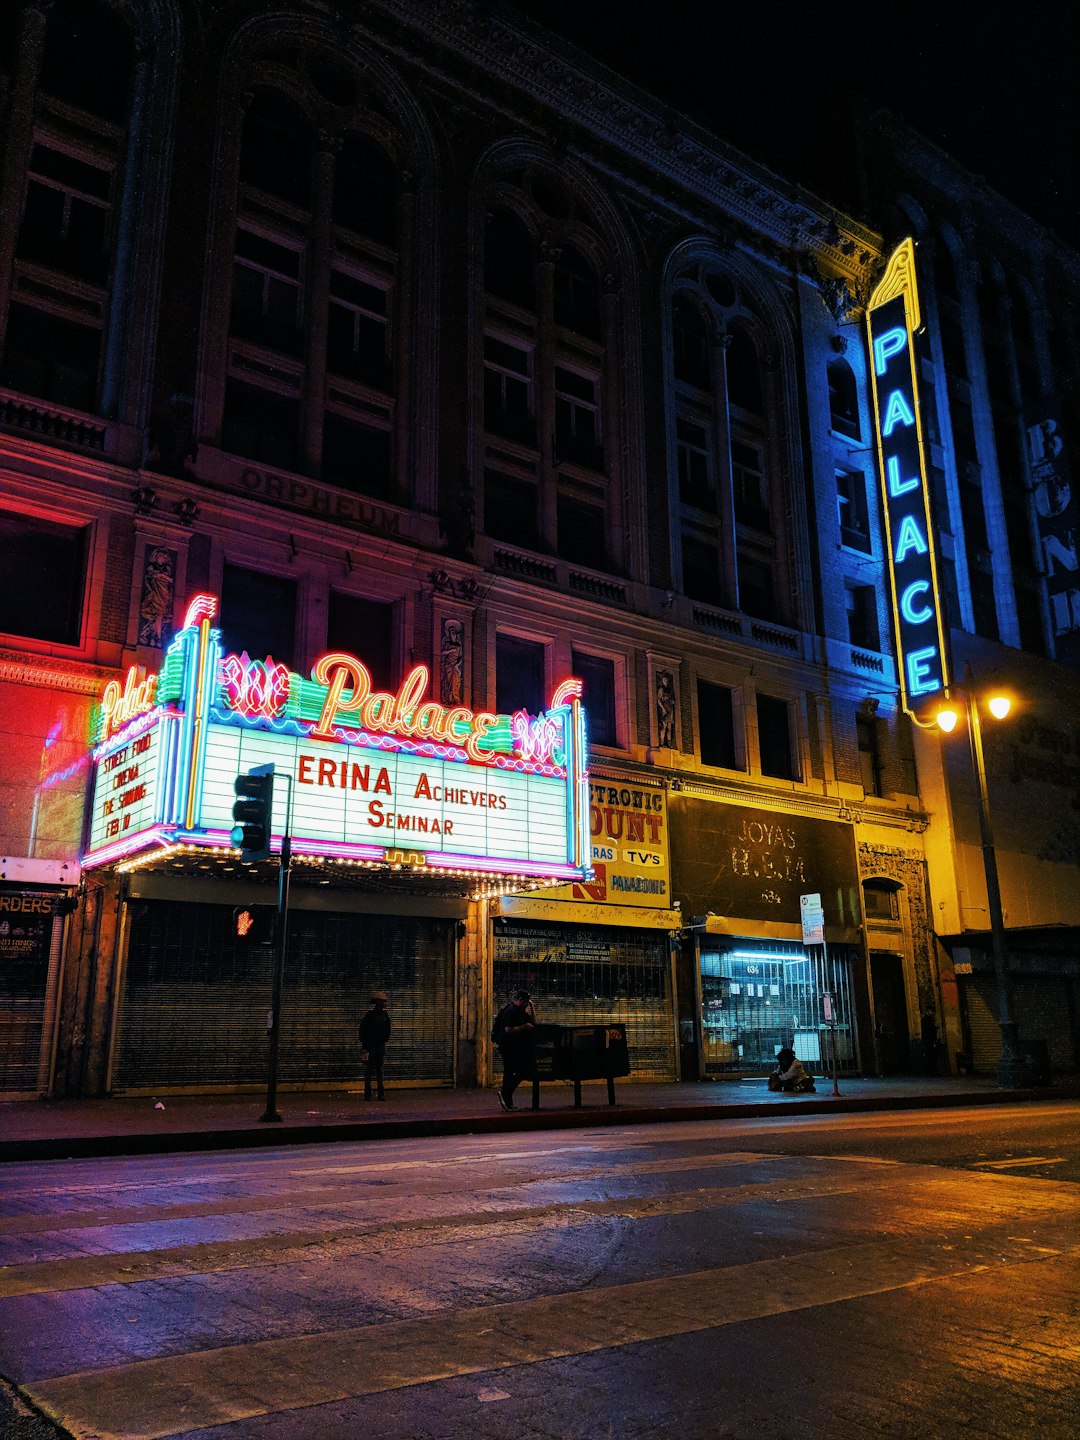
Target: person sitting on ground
(789,1074)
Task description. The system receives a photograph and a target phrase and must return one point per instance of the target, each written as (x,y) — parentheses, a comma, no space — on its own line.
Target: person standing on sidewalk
(374,1034)
(513,1034)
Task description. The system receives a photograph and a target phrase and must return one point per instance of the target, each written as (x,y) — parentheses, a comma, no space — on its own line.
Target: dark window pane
(598,695)
(260,424)
(519,675)
(854,514)
(276,151)
(258,614)
(510,510)
(357,457)
(869,754)
(358,331)
(581,532)
(690,344)
(716,726)
(365,191)
(509,261)
(701,571)
(774,738)
(52,358)
(44,570)
(743,374)
(87,59)
(577,295)
(843,399)
(757,594)
(863,616)
(364,628)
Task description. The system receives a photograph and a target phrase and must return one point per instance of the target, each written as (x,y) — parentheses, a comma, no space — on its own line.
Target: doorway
(892,1034)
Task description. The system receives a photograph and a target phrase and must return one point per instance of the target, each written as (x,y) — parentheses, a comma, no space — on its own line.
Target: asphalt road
(911,1275)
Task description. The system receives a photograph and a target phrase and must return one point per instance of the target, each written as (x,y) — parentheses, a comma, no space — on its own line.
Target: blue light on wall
(892,319)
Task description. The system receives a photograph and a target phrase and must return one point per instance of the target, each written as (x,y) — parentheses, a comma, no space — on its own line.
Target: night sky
(996,86)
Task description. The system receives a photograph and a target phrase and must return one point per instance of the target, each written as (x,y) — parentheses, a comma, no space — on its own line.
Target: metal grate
(28,943)
(762,994)
(195,1003)
(585,975)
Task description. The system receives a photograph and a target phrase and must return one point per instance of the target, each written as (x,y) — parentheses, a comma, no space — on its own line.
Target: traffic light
(253,924)
(251,812)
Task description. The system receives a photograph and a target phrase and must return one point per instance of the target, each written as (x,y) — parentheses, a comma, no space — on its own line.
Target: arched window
(509,261)
(276,152)
(843,399)
(690,344)
(945,272)
(577,294)
(365,190)
(744,374)
(59,248)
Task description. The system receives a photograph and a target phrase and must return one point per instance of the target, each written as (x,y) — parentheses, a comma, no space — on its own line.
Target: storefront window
(760,995)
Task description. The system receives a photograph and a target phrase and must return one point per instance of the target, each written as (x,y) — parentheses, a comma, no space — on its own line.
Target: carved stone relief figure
(156,600)
(665,709)
(452,661)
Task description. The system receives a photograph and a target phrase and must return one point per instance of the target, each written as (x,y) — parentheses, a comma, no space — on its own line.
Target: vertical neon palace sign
(386,780)
(892,319)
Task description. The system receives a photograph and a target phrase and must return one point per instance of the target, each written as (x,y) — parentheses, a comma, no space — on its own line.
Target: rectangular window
(757,593)
(267,298)
(519,675)
(511,511)
(357,457)
(597,676)
(748,485)
(852,505)
(582,537)
(53,358)
(693,443)
(774,738)
(364,628)
(716,726)
(577,418)
(701,571)
(258,614)
(44,579)
(508,400)
(862,616)
(67,214)
(869,754)
(879,903)
(358,330)
(260,424)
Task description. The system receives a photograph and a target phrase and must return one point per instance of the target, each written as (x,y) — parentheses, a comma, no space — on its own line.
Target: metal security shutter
(195,1003)
(1042,1013)
(984,1033)
(29,962)
(584,975)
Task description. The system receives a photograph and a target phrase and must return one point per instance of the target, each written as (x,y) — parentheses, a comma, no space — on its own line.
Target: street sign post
(812,915)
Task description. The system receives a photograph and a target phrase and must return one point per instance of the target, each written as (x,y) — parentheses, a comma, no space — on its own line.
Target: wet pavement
(38,1129)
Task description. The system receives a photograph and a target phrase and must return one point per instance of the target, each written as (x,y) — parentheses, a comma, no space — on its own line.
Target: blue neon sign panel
(892,319)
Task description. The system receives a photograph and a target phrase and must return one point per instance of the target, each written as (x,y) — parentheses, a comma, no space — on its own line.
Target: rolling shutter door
(195,1002)
(984,1033)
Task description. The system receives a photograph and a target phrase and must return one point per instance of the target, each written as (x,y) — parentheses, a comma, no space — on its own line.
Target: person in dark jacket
(513,1034)
(789,1075)
(374,1033)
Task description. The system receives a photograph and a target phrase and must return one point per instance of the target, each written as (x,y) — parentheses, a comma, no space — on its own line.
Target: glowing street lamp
(1010,1070)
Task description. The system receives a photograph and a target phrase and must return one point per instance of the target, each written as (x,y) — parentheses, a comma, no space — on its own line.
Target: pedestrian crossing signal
(253,925)
(251,812)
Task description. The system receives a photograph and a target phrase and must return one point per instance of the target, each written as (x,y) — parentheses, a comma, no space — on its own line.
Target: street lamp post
(1010,1070)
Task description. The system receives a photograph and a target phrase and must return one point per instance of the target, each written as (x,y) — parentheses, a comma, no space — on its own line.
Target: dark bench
(577,1053)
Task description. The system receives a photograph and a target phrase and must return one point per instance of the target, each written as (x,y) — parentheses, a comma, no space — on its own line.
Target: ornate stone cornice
(616,113)
(44,672)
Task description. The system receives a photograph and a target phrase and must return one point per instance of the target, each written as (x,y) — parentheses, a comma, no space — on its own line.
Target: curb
(88,1146)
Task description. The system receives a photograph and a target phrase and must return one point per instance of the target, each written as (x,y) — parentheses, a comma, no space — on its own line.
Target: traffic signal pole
(281,937)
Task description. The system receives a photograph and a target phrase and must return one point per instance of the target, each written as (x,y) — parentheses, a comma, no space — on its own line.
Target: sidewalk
(57,1129)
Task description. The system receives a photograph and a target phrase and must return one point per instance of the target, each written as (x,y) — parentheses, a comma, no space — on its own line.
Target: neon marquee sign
(892,318)
(376,775)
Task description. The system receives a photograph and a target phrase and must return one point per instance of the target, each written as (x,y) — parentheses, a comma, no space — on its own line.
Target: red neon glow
(202,607)
(569,689)
(121,703)
(258,689)
(349,692)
